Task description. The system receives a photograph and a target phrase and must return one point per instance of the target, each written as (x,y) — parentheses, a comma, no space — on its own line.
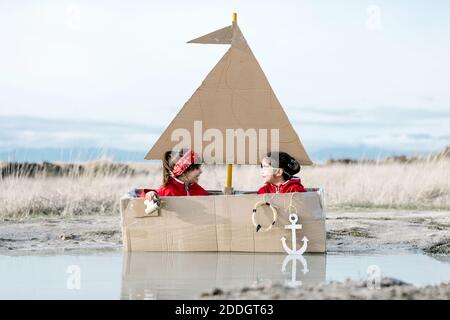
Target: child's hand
(151,195)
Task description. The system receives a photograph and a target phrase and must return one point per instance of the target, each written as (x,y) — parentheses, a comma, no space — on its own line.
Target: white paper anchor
(294,282)
(293,218)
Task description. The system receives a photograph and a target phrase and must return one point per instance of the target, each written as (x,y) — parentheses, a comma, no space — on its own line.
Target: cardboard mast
(235,95)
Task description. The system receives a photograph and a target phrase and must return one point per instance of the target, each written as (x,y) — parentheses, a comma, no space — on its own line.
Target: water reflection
(113,275)
(183,275)
(293,282)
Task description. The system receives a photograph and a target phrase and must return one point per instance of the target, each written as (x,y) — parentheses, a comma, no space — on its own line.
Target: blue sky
(112,74)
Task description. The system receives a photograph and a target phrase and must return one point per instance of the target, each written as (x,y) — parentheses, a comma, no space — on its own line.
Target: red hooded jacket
(176,187)
(292,185)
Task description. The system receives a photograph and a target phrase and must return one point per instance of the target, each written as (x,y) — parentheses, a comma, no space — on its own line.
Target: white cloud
(29,132)
(410,142)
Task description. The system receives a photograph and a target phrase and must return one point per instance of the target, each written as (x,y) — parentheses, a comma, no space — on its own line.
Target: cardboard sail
(235,95)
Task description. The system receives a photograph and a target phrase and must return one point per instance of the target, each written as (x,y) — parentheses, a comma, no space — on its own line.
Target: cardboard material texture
(235,95)
(223,223)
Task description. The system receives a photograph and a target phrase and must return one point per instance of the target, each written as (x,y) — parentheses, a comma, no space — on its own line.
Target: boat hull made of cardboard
(223,223)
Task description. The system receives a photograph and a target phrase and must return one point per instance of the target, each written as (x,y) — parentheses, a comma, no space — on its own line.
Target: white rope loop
(274,216)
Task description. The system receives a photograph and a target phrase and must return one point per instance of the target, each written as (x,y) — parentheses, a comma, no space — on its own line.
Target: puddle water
(153,275)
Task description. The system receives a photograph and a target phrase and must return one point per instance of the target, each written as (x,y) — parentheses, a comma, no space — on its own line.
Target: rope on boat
(291,210)
(274,215)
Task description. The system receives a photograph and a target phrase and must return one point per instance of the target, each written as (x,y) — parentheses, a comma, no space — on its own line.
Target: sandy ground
(45,235)
(387,289)
(361,231)
(388,230)
(347,231)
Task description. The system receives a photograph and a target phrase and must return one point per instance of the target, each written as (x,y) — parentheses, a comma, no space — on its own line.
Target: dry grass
(417,185)
(94,190)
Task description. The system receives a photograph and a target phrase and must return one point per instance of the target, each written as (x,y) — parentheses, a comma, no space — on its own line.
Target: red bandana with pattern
(184,162)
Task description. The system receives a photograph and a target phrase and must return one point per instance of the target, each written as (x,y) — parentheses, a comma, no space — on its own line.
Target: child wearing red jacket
(278,170)
(180,176)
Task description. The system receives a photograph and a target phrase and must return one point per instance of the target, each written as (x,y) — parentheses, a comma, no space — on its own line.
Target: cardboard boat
(235,95)
(223,223)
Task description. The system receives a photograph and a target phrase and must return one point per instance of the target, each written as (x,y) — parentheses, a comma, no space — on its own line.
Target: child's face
(270,174)
(192,176)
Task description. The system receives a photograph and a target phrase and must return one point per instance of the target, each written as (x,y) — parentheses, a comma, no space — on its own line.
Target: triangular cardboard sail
(235,95)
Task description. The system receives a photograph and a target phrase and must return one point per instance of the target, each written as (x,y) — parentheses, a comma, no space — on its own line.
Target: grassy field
(96,187)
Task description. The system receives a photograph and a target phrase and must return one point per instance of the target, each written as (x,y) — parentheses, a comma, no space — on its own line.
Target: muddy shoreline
(387,289)
(347,231)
